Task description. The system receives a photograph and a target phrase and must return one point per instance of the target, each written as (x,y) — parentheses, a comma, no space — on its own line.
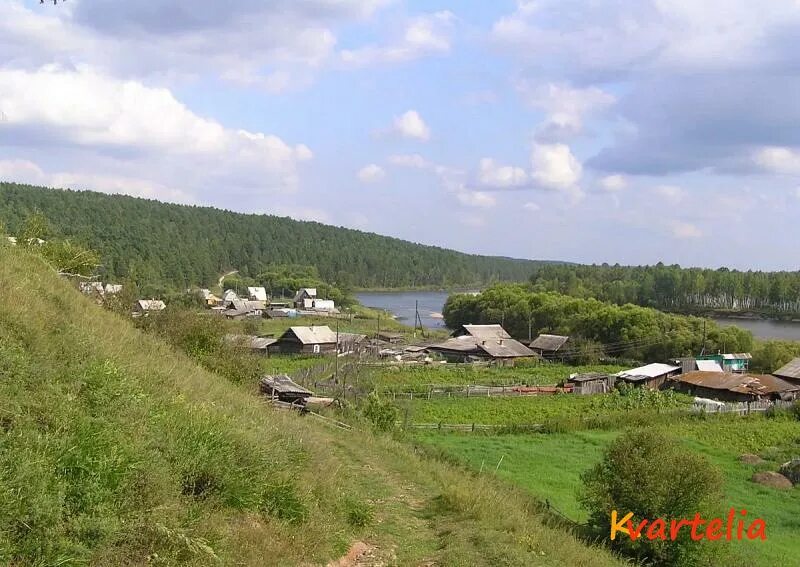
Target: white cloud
(478,199)
(411,125)
(613,183)
(565,107)
(129,130)
(555,167)
(371,173)
(410,160)
(490,174)
(671,193)
(424,35)
(685,230)
(778,160)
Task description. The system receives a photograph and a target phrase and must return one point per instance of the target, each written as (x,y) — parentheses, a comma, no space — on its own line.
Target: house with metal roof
(730,362)
(316,339)
(651,376)
(257,293)
(789,371)
(303,294)
(467,348)
(734,387)
(482,332)
(548,345)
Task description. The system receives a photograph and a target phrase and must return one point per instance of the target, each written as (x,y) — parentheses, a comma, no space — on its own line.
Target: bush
(644,473)
(359,514)
(281,501)
(380,412)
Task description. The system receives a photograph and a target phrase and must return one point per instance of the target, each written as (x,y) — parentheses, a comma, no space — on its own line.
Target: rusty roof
(754,384)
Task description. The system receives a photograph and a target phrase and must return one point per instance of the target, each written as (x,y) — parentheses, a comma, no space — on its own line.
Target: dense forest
(674,288)
(152,242)
(597,328)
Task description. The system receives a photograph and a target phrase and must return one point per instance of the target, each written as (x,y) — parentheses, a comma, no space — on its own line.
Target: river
(431,303)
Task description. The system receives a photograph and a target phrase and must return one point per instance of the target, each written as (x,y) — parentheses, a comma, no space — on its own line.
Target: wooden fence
(471,427)
(741,407)
(478,391)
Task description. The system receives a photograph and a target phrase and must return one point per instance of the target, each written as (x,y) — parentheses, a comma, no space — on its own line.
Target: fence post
(473,428)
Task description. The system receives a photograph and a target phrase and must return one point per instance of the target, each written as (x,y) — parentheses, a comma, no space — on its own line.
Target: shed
(651,376)
(350,342)
(257,293)
(790,371)
(317,339)
(735,387)
(390,337)
(284,389)
(548,345)
(482,332)
(323,305)
(209,298)
(591,383)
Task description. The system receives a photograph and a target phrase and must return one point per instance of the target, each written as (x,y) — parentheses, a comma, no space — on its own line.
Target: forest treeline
(150,242)
(600,329)
(674,288)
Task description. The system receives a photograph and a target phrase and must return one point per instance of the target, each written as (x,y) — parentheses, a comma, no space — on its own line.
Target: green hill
(118,450)
(161,243)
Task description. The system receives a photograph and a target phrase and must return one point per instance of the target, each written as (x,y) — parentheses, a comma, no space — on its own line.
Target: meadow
(549,466)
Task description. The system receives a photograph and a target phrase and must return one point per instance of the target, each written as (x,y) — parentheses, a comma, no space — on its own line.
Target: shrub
(650,475)
(380,412)
(280,499)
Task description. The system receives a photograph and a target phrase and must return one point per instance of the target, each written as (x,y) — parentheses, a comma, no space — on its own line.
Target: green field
(422,378)
(549,467)
(529,410)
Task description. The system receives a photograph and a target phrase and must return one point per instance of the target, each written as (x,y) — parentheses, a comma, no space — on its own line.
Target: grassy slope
(115,449)
(549,466)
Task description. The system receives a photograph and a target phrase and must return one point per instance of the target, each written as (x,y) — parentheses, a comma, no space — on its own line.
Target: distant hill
(183,245)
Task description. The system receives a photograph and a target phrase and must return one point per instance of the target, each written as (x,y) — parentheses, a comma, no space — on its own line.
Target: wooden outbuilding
(652,376)
(282,388)
(548,345)
(789,371)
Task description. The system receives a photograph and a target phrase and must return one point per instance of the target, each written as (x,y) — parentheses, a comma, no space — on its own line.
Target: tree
(652,476)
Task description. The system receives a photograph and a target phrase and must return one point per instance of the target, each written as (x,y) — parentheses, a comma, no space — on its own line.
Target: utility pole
(336,362)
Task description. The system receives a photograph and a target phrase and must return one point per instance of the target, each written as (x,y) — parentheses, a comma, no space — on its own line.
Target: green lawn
(549,467)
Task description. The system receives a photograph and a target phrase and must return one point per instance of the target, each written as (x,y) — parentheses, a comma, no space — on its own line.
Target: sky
(581,130)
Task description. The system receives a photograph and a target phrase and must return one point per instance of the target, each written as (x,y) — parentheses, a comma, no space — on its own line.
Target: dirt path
(223,276)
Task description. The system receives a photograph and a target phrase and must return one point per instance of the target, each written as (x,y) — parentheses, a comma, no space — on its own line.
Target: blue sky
(589,131)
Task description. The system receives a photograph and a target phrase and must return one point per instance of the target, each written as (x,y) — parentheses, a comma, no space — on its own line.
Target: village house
(465,348)
(790,371)
(734,387)
(242,309)
(482,332)
(308,340)
(257,293)
(548,345)
(652,376)
(209,298)
(732,362)
(303,295)
(229,295)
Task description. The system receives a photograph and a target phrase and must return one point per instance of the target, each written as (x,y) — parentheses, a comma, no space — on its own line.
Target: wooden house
(149,305)
(734,387)
(482,332)
(790,371)
(731,362)
(308,340)
(466,348)
(548,345)
(304,297)
(652,376)
(258,345)
(257,294)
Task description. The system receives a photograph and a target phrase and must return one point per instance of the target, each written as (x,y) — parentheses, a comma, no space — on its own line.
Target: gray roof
(549,343)
(589,377)
(493,347)
(283,385)
(484,331)
(790,370)
(151,304)
(314,335)
(305,292)
(244,305)
(250,341)
(653,370)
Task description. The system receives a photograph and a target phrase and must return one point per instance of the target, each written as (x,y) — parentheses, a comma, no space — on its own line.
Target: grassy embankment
(118,450)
